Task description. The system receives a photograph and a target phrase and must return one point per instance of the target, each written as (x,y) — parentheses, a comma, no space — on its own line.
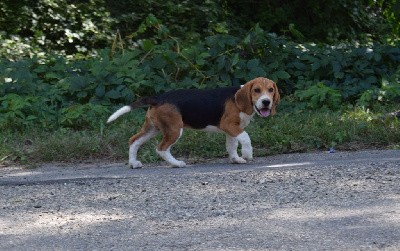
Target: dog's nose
(266,102)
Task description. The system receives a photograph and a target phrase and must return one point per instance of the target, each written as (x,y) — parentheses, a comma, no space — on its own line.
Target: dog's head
(259,95)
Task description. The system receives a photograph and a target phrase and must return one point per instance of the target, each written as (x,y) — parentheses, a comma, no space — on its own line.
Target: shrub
(320,96)
(52,90)
(68,27)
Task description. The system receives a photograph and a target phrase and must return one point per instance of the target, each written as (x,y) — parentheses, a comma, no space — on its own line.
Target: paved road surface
(316,201)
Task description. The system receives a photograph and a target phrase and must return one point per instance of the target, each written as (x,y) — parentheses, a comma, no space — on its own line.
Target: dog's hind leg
(169,122)
(164,148)
(147,132)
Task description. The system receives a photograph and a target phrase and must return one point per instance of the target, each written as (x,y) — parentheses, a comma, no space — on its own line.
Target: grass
(285,133)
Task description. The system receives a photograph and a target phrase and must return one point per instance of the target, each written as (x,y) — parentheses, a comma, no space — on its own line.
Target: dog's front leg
(247,149)
(231,147)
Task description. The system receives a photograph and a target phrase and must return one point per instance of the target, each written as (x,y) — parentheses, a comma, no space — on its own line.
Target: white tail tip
(119,112)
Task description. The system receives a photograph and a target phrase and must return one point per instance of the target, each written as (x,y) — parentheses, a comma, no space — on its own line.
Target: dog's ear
(277,99)
(243,98)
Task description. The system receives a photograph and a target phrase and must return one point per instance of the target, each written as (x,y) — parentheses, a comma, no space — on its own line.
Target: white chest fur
(245,119)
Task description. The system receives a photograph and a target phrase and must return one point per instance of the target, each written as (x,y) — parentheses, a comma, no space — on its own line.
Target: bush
(81,27)
(320,96)
(67,27)
(54,91)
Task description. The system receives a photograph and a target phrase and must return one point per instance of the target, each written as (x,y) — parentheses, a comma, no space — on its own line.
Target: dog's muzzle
(263,108)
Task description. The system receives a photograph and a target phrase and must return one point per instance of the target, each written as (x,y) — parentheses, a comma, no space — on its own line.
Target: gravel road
(313,201)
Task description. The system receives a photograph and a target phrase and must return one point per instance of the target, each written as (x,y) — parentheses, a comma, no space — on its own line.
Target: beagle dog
(228,110)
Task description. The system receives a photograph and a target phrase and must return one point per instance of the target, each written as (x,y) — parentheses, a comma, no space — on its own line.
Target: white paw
(247,156)
(178,163)
(247,153)
(237,160)
(135,164)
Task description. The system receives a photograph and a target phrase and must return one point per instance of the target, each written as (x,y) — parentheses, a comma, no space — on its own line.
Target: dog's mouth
(263,112)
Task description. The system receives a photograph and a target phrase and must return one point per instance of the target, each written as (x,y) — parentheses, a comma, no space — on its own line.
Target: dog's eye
(257,90)
(271,89)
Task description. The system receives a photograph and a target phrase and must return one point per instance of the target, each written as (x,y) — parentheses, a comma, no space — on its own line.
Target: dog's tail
(125,109)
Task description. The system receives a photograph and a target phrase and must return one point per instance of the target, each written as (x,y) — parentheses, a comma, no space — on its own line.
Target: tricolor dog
(228,110)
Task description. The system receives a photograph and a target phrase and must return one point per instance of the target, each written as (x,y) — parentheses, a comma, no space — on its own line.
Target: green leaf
(247,40)
(81,94)
(113,94)
(225,78)
(147,45)
(299,66)
(100,90)
(315,66)
(339,74)
(52,75)
(200,60)
(235,59)
(377,57)
(371,80)
(282,75)
(158,63)
(257,72)
(77,83)
(273,65)
(336,67)
(253,63)
(221,63)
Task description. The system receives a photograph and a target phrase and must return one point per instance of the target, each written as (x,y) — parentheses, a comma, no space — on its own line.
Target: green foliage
(320,96)
(53,91)
(391,12)
(80,116)
(78,27)
(327,21)
(388,91)
(65,26)
(185,19)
